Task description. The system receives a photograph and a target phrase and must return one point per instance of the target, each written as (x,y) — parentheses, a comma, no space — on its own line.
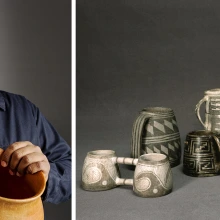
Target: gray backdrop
(35,61)
(136,54)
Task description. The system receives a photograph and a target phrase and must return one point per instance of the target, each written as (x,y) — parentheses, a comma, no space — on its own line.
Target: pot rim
(30,198)
(201,133)
(215,91)
(101,153)
(158,109)
(153,158)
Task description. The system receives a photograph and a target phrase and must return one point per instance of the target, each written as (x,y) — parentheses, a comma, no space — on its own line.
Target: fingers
(22,157)
(6,156)
(31,161)
(39,166)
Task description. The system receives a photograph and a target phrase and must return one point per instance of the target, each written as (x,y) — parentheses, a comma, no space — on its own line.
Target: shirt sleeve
(58,152)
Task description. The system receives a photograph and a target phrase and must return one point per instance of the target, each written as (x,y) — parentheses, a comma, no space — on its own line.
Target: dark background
(136,54)
(35,61)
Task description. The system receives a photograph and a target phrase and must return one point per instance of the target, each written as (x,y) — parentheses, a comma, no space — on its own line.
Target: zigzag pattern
(172,149)
(160,127)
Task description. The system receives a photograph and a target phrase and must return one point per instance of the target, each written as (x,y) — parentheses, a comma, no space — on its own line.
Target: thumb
(1,152)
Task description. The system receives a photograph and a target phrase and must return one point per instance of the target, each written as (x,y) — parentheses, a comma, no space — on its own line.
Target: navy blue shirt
(21,120)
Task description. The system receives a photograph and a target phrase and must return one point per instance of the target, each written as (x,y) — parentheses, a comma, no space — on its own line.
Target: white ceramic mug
(153,176)
(101,172)
(212,110)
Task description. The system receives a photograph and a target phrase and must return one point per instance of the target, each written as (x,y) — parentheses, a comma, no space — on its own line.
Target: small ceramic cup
(101,172)
(201,154)
(153,176)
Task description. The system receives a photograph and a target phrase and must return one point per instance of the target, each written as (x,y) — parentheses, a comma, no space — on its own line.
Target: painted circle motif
(155,191)
(92,175)
(143,184)
(104,183)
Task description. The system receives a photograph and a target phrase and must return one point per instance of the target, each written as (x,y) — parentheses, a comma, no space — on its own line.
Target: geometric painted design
(201,148)
(150,129)
(198,157)
(214,106)
(149,151)
(174,122)
(159,126)
(153,133)
(168,124)
(156,150)
(172,149)
(164,149)
(176,145)
(206,165)
(189,164)
(202,166)
(156,127)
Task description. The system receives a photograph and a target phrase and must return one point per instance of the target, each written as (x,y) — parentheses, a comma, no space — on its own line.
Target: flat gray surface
(137,54)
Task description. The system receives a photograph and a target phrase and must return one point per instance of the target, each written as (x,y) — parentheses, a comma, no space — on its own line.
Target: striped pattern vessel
(156,131)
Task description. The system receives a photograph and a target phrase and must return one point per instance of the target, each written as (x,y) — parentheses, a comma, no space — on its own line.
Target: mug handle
(125,160)
(128,161)
(217,141)
(137,130)
(197,110)
(125,182)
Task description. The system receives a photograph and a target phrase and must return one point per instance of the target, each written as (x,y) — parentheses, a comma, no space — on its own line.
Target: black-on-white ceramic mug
(155,130)
(201,154)
(212,110)
(101,172)
(153,176)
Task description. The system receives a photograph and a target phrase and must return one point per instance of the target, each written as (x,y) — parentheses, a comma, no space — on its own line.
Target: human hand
(24,157)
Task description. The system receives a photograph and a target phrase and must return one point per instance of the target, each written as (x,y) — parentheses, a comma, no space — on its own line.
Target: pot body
(32,210)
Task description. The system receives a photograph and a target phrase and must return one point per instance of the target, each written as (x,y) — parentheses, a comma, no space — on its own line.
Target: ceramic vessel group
(152,175)
(156,148)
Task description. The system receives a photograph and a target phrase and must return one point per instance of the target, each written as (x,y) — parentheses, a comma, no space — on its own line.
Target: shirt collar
(2,102)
